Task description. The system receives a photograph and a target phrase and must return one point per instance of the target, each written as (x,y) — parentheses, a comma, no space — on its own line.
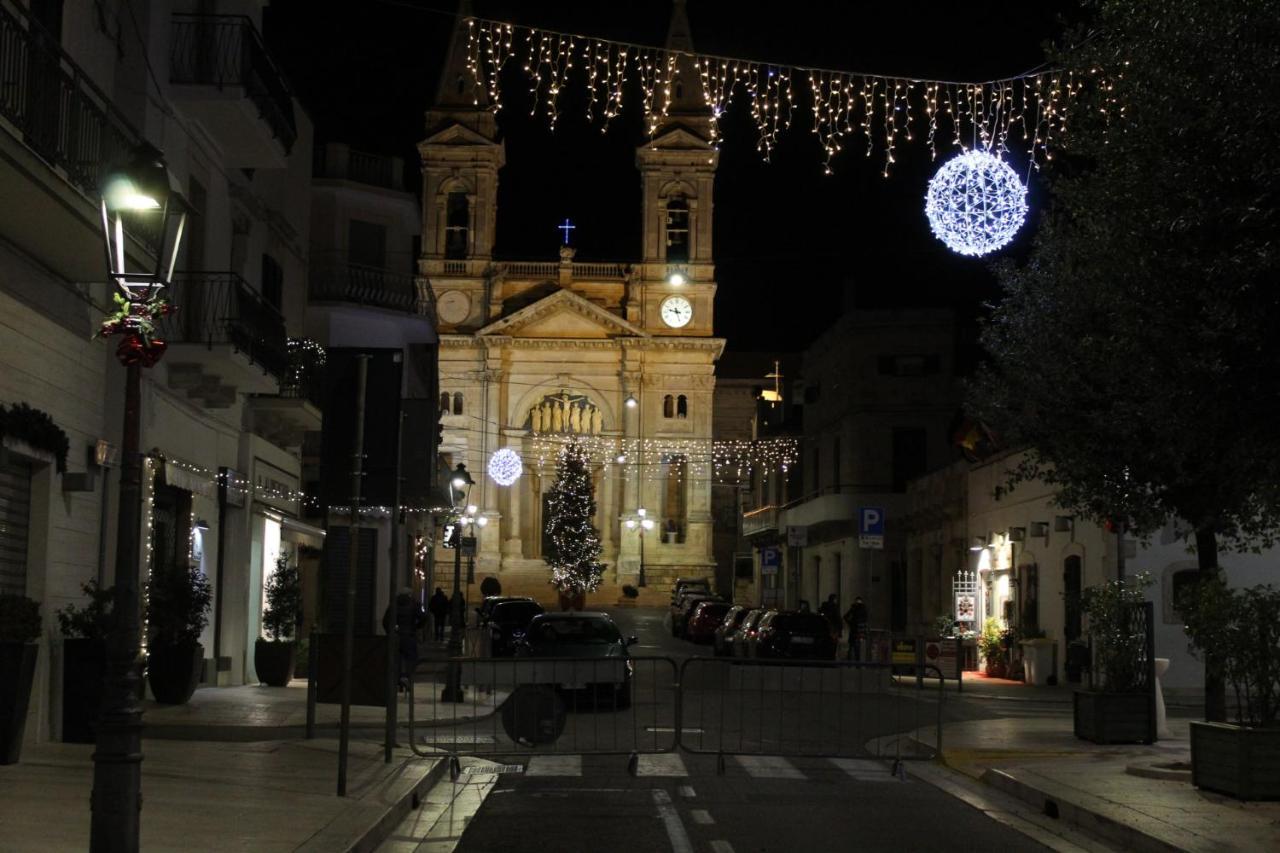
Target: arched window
(668,406)
(677,229)
(457,402)
(682,406)
(457,225)
(444,402)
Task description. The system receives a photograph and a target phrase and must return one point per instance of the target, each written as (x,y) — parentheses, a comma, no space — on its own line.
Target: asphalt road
(807,782)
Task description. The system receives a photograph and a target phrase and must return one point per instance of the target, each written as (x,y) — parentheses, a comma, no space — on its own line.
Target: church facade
(619,357)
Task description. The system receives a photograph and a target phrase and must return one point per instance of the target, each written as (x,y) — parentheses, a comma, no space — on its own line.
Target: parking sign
(770,558)
(871,527)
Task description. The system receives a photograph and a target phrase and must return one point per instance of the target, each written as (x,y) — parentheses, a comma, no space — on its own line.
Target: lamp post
(460,482)
(640,524)
(142,200)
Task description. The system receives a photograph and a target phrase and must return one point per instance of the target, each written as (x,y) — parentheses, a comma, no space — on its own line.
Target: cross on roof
(566,228)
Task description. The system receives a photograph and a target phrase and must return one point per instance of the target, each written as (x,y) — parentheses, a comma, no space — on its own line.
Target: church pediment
(456,134)
(563,314)
(679,139)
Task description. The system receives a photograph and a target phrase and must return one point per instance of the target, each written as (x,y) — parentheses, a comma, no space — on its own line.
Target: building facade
(619,357)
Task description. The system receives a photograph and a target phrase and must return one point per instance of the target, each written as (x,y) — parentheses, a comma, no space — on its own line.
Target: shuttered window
(15,519)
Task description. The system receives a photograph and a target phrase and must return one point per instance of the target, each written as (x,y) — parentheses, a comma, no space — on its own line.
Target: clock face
(453,306)
(676,311)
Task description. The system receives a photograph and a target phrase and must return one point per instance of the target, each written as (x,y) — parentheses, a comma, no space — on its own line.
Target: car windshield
(800,623)
(574,631)
(713,610)
(516,612)
(752,618)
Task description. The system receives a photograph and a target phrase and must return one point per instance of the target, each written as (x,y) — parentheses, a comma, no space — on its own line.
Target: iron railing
(376,170)
(221,308)
(304,378)
(372,286)
(63,117)
(226,50)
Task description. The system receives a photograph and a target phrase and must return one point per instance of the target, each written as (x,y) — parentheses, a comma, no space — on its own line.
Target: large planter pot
(174,671)
(996,668)
(84,666)
(577,601)
(1114,717)
(274,661)
(1239,762)
(1037,661)
(17,669)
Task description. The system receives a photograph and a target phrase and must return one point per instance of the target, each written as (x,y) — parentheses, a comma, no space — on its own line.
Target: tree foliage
(1135,350)
(575,556)
(283,613)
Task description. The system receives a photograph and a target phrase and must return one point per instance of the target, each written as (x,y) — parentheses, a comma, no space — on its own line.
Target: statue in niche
(546,416)
(575,418)
(597,420)
(535,419)
(558,414)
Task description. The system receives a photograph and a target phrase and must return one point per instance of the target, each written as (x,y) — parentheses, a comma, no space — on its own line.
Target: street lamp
(461,482)
(141,200)
(640,524)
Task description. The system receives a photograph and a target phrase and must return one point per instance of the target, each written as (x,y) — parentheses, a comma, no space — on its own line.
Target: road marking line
(554,765)
(864,770)
(686,791)
(671,820)
(768,767)
(702,816)
(721,847)
(669,730)
(661,764)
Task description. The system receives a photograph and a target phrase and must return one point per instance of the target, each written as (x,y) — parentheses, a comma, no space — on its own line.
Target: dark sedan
(722,639)
(508,621)
(791,634)
(704,619)
(606,668)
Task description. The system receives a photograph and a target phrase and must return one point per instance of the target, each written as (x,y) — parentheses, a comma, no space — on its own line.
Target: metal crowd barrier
(522,706)
(821,709)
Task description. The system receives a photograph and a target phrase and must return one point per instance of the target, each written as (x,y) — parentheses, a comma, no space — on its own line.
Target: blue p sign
(870,521)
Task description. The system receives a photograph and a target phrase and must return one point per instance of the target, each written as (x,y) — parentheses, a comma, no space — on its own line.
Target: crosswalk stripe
(554,765)
(768,767)
(661,764)
(864,770)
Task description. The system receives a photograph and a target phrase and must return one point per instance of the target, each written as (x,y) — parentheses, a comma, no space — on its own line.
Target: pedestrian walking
(438,606)
(856,618)
(830,610)
(406,617)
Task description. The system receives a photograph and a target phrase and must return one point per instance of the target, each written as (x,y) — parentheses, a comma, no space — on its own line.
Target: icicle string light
(886,111)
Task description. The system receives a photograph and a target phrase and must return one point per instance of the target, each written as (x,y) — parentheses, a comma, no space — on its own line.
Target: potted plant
(19,629)
(275,656)
(1037,658)
(84,661)
(1238,633)
(177,611)
(991,644)
(1119,707)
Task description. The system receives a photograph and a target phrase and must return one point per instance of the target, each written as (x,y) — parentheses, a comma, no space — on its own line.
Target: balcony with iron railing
(285,418)
(223,337)
(372,287)
(758,521)
(336,161)
(217,63)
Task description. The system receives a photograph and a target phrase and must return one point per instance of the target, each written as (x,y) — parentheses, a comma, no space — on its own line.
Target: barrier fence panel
(526,706)
(827,709)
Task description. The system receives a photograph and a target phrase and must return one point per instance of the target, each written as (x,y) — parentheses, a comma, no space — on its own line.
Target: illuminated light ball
(975,203)
(505,467)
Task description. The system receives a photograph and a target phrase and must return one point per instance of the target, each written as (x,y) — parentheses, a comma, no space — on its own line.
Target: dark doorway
(898,596)
(1071,578)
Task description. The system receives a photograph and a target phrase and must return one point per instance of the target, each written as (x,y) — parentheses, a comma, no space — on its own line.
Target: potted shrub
(1238,633)
(177,611)
(19,629)
(1119,707)
(84,661)
(991,644)
(275,656)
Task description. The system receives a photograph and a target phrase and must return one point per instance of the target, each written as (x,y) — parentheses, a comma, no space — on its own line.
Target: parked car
(721,637)
(683,607)
(797,635)
(691,584)
(583,635)
(492,601)
(507,622)
(703,620)
(744,639)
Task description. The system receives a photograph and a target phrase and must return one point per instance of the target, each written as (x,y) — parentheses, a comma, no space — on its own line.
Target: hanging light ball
(975,203)
(505,467)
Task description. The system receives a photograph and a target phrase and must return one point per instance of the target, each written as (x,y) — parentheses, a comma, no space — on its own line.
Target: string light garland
(505,466)
(882,110)
(975,203)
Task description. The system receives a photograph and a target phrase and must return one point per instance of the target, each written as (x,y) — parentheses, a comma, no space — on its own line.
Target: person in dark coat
(438,605)
(830,610)
(856,618)
(407,617)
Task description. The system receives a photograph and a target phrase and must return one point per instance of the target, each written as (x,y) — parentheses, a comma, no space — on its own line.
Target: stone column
(511,544)
(491,387)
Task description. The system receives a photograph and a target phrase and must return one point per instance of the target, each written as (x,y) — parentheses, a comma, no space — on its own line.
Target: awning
(187,477)
(292,530)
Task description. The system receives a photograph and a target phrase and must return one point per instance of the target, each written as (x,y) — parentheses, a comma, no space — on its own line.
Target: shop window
(457,403)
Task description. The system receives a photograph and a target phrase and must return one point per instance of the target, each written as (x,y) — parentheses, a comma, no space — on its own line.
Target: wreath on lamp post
(136,320)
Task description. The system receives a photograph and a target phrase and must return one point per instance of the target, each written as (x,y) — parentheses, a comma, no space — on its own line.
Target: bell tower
(677,174)
(461,157)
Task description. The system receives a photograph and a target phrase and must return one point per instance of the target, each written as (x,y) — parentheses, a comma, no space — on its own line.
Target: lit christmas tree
(575,554)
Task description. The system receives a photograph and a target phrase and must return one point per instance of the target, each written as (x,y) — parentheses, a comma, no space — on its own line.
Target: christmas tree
(575,552)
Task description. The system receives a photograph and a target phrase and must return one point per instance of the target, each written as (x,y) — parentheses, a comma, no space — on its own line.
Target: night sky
(789,241)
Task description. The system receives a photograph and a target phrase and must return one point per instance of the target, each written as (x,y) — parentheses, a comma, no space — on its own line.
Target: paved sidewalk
(1040,761)
(262,797)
